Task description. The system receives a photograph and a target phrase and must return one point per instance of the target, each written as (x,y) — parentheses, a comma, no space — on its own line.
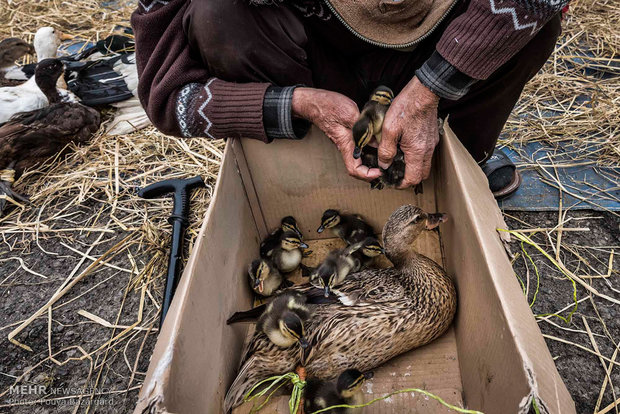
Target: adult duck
(379,314)
(31,137)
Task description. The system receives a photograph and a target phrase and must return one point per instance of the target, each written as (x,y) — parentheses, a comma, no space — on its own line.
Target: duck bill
(303,245)
(326,292)
(320,229)
(368,375)
(64,36)
(357,152)
(258,285)
(296,230)
(303,343)
(435,219)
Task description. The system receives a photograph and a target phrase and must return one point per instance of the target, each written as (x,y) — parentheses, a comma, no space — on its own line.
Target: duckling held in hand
(347,389)
(287,256)
(349,227)
(31,137)
(371,118)
(369,124)
(283,320)
(399,308)
(272,241)
(265,279)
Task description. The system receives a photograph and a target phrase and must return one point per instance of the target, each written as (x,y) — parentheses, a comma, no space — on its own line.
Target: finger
(354,167)
(413,167)
(425,169)
(412,176)
(390,133)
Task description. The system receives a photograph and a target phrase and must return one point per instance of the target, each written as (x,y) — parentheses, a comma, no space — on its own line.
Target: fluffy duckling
(265,279)
(349,227)
(367,250)
(380,314)
(369,124)
(334,270)
(287,256)
(347,389)
(371,118)
(31,137)
(272,241)
(339,263)
(283,320)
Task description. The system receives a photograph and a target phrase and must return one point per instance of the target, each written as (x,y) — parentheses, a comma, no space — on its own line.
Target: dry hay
(576,98)
(113,244)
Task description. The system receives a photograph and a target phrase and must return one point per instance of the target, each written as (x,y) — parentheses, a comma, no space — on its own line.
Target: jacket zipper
(385,45)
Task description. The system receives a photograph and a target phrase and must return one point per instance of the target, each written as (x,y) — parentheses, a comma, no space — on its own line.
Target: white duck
(28,96)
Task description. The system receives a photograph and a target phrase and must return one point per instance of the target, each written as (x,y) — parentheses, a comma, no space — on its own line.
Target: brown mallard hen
(381,313)
(12,49)
(29,138)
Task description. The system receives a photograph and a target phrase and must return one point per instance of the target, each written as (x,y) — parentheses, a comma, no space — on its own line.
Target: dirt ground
(106,293)
(581,371)
(22,293)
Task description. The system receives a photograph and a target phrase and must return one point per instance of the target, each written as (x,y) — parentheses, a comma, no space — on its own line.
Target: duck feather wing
(30,137)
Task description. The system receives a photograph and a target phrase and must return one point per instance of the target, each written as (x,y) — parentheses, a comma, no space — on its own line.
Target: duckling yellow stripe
(295,400)
(431,395)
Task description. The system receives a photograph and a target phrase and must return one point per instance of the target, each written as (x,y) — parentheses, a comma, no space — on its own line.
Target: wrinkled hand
(412,121)
(335,115)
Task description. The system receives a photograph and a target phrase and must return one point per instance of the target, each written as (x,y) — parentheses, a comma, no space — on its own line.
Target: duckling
(265,279)
(349,227)
(283,320)
(31,137)
(367,251)
(371,118)
(340,262)
(347,390)
(380,314)
(272,241)
(369,124)
(334,269)
(287,256)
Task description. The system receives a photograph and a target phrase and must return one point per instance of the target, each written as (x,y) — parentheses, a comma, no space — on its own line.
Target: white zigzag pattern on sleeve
(515,19)
(147,8)
(203,106)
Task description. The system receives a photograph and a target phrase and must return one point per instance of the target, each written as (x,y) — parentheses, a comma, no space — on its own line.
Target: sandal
(504,179)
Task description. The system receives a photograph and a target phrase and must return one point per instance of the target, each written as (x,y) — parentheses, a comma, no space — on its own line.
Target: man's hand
(335,115)
(412,119)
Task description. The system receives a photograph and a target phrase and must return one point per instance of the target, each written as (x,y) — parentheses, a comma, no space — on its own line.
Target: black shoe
(504,179)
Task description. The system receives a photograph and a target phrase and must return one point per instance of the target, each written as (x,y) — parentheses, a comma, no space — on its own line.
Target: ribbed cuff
(443,79)
(219,109)
(278,116)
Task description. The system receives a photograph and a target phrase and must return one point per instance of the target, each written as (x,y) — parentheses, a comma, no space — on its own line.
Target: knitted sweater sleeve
(179,95)
(483,38)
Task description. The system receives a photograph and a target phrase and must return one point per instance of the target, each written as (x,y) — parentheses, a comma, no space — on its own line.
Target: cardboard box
(494,359)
